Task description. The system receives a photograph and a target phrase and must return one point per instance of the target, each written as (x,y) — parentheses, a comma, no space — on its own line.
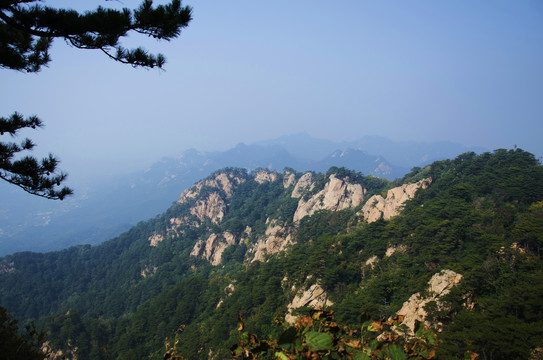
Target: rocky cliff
(313,297)
(439,285)
(338,194)
(209,200)
(276,238)
(378,206)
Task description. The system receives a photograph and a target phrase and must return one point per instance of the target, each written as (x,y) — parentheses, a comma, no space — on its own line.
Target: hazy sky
(464,71)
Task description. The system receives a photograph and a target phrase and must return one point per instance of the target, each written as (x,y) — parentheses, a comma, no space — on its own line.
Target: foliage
(470,220)
(14,345)
(33,176)
(319,336)
(27,30)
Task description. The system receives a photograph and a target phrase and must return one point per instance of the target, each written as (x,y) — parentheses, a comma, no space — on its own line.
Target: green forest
(481,217)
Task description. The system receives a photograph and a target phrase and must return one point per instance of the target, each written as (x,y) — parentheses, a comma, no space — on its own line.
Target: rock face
(210,195)
(223,181)
(212,248)
(439,285)
(277,238)
(304,184)
(155,239)
(7,267)
(377,206)
(313,297)
(289,179)
(228,291)
(148,271)
(265,176)
(337,195)
(212,207)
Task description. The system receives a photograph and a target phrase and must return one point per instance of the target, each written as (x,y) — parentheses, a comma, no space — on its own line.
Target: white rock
(377,206)
(313,297)
(289,179)
(276,239)
(155,239)
(439,285)
(336,195)
(305,183)
(263,176)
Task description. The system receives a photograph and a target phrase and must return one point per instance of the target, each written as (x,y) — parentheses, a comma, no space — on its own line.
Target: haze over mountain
(103,210)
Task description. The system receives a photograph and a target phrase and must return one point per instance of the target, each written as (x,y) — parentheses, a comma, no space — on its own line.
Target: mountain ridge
(477,221)
(101,212)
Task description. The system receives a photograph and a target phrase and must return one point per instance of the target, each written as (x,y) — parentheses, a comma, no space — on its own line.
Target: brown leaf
(305,321)
(352,343)
(378,325)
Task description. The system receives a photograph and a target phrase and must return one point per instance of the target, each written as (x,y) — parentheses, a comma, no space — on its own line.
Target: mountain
(106,209)
(360,160)
(403,154)
(455,245)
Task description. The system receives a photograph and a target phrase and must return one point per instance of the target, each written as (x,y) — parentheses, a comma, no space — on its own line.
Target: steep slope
(99,211)
(232,245)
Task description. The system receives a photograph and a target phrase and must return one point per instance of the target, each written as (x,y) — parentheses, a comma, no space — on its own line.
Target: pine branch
(100,29)
(35,177)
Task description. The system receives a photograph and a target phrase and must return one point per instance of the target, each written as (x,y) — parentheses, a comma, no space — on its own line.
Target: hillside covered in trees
(270,246)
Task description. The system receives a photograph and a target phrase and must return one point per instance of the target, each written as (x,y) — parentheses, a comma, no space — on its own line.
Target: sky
(464,71)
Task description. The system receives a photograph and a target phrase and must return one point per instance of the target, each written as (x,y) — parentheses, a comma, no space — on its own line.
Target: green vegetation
(482,217)
(13,344)
(319,336)
(27,30)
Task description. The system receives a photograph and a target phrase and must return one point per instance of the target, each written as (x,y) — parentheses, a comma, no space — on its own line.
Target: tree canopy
(27,29)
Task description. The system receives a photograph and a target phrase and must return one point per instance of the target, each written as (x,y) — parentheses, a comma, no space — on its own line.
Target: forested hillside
(265,245)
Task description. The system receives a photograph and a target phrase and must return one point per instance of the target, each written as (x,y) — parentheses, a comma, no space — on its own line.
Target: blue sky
(243,71)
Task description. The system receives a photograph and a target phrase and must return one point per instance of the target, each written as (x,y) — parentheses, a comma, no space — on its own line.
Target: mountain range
(95,214)
(445,262)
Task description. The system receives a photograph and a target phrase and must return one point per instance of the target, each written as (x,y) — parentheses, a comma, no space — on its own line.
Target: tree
(13,344)
(27,29)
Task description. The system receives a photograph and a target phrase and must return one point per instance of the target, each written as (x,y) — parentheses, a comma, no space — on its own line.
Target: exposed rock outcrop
(228,291)
(54,354)
(439,285)
(305,183)
(213,207)
(313,297)
(337,195)
(263,176)
(148,271)
(7,267)
(289,179)
(212,248)
(391,250)
(277,238)
(155,239)
(372,261)
(377,206)
(223,181)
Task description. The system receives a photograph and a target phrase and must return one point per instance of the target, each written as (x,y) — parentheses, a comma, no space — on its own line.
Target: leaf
(374,344)
(287,337)
(360,355)
(317,341)
(352,343)
(395,352)
(281,356)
